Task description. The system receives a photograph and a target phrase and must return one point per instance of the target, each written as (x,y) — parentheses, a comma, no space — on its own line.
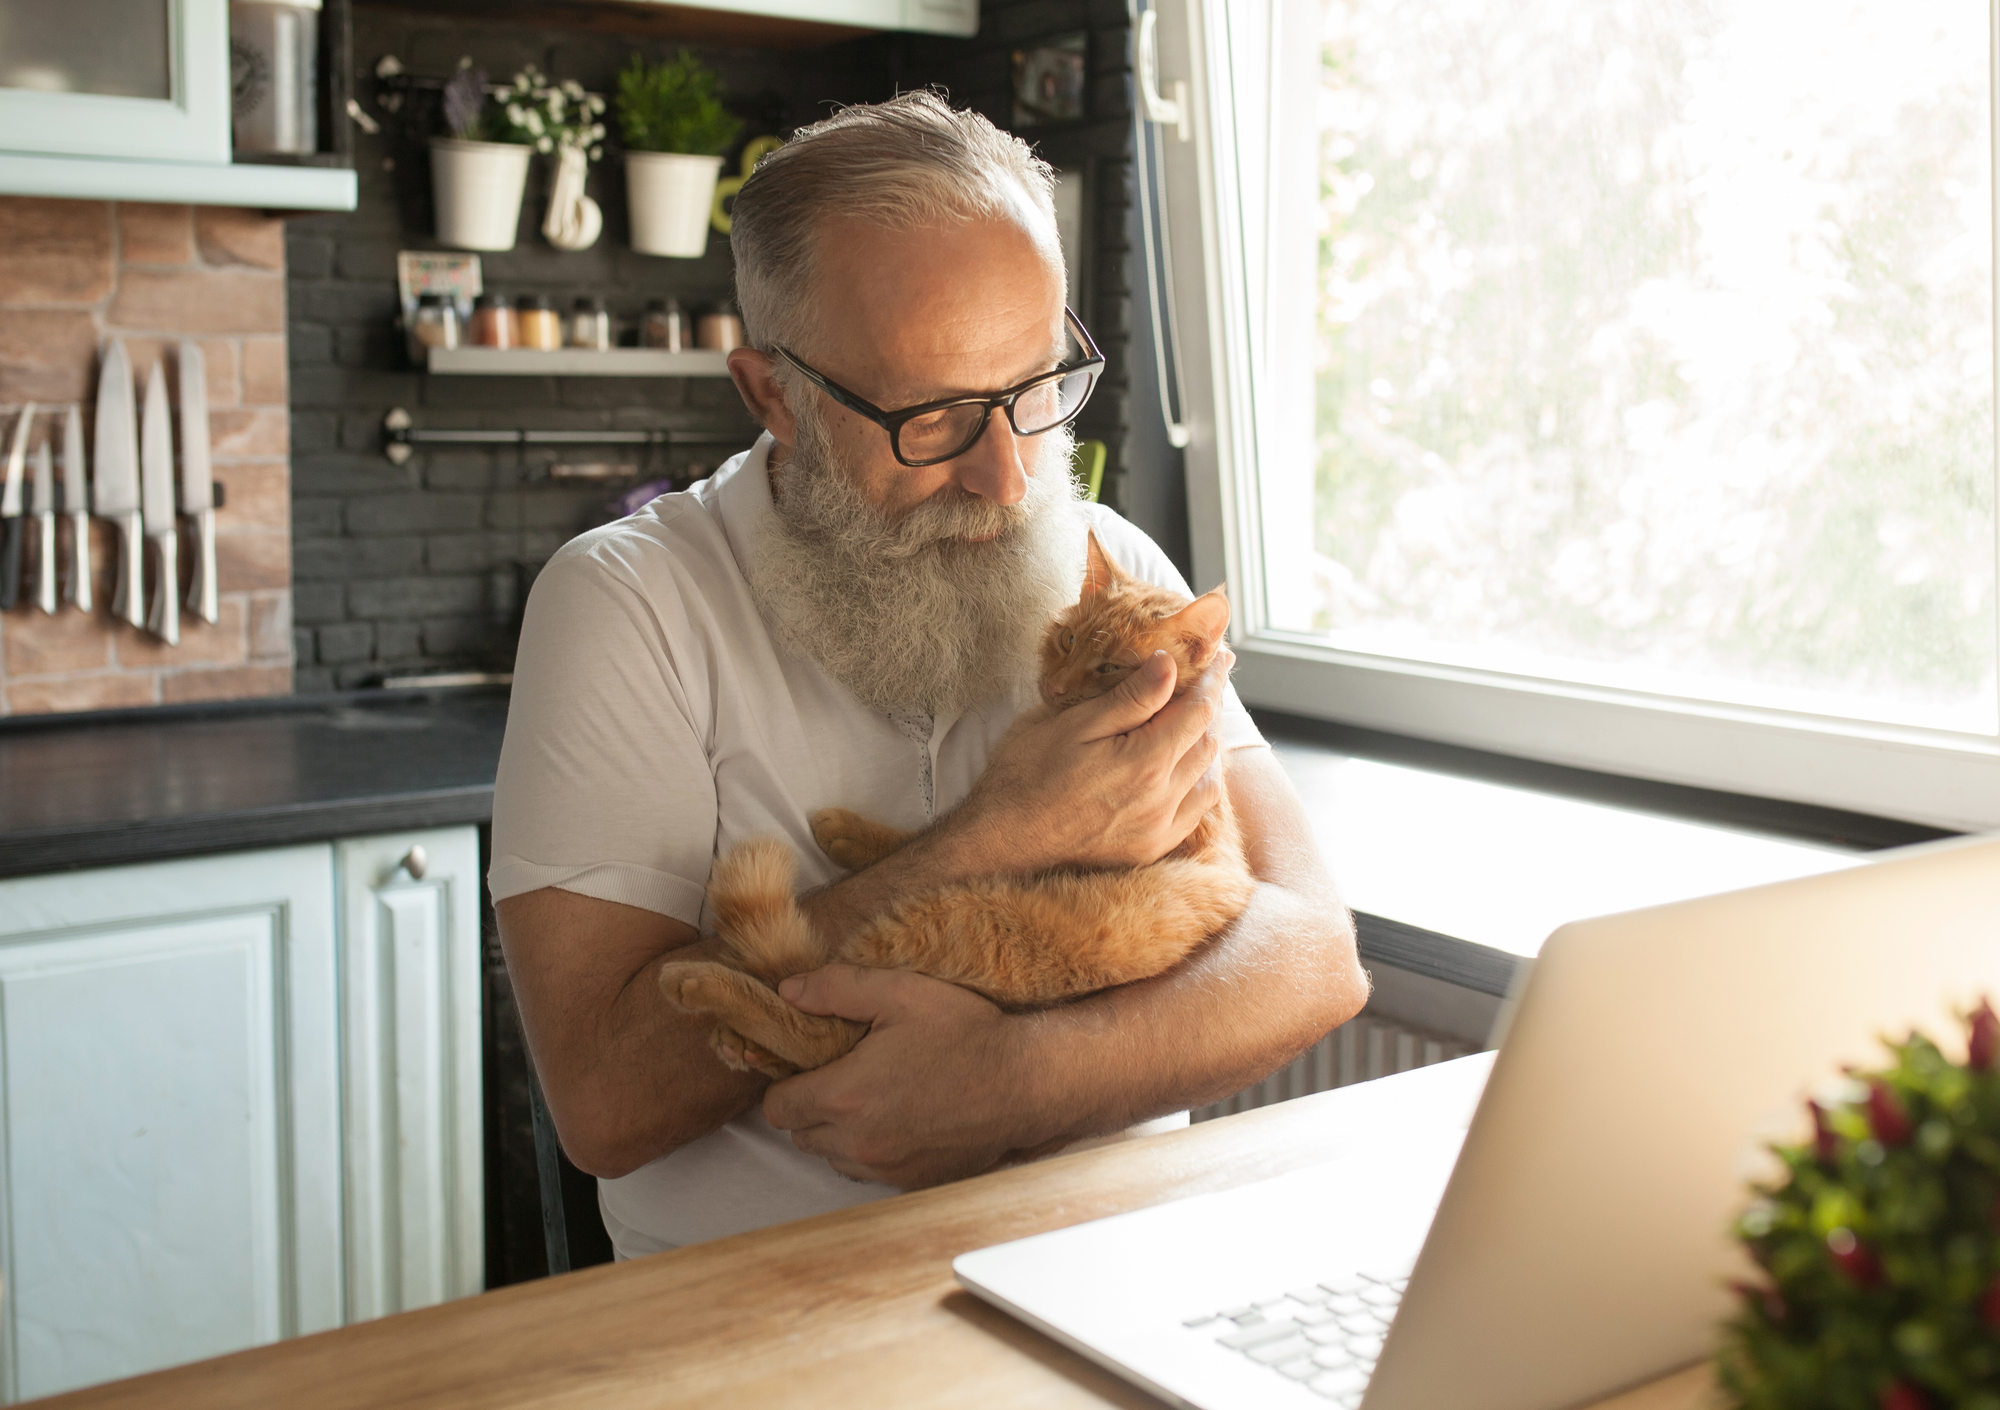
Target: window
(1605,382)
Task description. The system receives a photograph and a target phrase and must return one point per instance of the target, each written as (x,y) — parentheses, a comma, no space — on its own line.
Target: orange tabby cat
(1024,943)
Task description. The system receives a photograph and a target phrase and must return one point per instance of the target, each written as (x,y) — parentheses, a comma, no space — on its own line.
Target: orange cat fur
(1024,943)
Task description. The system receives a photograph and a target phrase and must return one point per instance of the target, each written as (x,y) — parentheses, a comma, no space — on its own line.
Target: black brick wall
(424,566)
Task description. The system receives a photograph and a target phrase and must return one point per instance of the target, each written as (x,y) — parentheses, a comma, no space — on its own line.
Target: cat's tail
(750,896)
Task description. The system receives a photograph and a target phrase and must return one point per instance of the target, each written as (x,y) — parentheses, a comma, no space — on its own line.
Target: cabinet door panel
(168,1157)
(415,1159)
(157,89)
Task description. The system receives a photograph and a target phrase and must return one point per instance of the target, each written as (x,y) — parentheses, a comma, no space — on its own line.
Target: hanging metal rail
(400,438)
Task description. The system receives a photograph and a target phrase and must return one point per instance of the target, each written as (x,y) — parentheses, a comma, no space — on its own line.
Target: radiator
(1362,1048)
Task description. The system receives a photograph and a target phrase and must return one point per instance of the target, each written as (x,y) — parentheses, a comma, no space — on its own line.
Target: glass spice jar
(433,325)
(719,328)
(493,323)
(535,318)
(664,326)
(590,325)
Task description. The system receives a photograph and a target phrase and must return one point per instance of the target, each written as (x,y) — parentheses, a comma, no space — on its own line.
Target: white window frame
(1213,192)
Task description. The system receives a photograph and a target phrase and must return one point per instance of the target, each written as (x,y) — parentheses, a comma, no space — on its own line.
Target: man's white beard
(905,613)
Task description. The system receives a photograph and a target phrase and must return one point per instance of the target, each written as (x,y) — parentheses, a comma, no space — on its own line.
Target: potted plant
(1878,1247)
(676,130)
(477,173)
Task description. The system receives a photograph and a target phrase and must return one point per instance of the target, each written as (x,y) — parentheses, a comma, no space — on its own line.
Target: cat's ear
(1201,623)
(1099,572)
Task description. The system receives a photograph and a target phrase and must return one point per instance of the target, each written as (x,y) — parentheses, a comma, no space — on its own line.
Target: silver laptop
(1577,1244)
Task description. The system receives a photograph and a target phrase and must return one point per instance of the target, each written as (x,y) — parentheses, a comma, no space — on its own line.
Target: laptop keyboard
(1326,1335)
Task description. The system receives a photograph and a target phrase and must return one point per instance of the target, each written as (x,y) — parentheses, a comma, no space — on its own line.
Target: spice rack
(577,362)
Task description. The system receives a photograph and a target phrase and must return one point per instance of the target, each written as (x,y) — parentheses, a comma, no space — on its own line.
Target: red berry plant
(1881,1247)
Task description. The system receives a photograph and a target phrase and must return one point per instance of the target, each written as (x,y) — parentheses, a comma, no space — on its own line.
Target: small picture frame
(1049,80)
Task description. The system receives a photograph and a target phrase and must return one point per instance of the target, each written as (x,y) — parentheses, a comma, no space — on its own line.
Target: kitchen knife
(76,504)
(45,517)
(197,483)
(10,511)
(156,494)
(116,492)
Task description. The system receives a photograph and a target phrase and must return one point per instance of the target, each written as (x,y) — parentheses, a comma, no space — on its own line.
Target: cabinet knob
(415,863)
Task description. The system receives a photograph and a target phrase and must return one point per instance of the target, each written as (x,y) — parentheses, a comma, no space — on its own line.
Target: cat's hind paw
(739,1054)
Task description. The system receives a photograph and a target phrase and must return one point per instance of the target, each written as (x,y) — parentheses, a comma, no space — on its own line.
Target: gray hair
(911,161)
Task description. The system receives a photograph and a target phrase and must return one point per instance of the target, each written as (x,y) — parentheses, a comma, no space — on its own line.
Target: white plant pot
(477,188)
(670,194)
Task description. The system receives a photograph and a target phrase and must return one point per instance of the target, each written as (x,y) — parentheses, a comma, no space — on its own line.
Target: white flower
(572,88)
(517,115)
(521,79)
(596,152)
(534,123)
(544,145)
(556,103)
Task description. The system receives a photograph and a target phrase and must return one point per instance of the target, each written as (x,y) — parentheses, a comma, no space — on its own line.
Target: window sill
(1457,862)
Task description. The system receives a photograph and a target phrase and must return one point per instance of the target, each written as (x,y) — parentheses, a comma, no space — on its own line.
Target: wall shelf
(576,362)
(275,188)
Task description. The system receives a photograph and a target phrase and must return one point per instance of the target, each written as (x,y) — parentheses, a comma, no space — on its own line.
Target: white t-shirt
(655,724)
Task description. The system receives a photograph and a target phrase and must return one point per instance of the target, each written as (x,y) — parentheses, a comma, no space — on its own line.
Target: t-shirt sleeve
(605,787)
(1132,549)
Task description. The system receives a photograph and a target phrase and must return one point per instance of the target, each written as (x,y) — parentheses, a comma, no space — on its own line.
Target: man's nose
(994,468)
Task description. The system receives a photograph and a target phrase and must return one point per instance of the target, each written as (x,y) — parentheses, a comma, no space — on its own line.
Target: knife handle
(45,566)
(129,603)
(79,561)
(165,621)
(201,591)
(10,561)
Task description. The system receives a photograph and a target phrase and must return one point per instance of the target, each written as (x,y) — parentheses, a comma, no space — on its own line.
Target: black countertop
(140,785)
(126,786)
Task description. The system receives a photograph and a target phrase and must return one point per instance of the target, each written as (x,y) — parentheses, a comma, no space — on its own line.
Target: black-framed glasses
(937,431)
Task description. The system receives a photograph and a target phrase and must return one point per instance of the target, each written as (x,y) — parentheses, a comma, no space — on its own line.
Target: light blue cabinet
(241,1102)
(142,80)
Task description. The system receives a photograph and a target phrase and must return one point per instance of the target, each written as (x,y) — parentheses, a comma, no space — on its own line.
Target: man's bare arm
(629,1076)
(947,1085)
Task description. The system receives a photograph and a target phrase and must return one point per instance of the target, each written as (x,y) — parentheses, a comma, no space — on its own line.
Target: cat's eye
(1105,668)
(1068,640)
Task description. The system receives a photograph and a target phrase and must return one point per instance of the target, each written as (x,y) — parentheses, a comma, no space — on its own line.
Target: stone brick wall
(74,273)
(424,566)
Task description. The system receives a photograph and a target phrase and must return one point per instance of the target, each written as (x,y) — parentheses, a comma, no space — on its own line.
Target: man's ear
(1099,572)
(753,373)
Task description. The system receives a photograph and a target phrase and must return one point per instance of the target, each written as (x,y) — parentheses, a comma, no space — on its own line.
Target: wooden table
(853,1308)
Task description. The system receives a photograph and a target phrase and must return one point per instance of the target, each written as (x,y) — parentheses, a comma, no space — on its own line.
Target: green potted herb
(676,131)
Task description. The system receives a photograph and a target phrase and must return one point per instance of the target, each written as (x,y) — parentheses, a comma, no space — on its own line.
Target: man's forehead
(938,309)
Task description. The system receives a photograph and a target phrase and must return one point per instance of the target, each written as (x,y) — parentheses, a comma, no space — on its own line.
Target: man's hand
(1119,781)
(909,1106)
(1114,782)
(946,1085)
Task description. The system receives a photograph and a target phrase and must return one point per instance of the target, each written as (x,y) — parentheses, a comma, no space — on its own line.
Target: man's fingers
(1206,793)
(841,990)
(1135,700)
(1199,760)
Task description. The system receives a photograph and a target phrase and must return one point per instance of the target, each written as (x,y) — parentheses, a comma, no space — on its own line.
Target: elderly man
(847,615)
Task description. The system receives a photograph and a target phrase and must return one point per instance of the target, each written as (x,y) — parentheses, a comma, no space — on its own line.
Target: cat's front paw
(698,985)
(838,833)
